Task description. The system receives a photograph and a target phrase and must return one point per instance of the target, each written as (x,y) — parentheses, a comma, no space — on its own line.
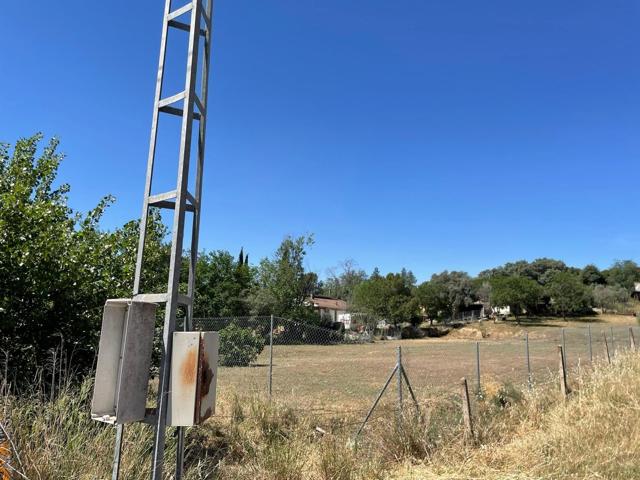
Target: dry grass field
(348,377)
(519,434)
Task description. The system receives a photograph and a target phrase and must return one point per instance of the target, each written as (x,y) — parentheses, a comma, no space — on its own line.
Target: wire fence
(340,371)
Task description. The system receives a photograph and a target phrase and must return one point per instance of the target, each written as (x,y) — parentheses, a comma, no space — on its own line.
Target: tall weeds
(520,434)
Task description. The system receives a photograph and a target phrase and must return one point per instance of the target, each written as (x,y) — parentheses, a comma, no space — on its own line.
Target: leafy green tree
(283,285)
(608,297)
(57,267)
(568,294)
(455,290)
(520,294)
(591,275)
(540,270)
(390,297)
(223,285)
(432,299)
(624,273)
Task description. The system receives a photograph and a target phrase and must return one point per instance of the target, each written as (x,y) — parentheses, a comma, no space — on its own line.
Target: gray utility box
(194,371)
(124,359)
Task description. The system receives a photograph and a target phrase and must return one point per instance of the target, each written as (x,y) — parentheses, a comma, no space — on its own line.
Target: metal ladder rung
(172,99)
(171,205)
(178,112)
(160,199)
(180,11)
(184,26)
(161,298)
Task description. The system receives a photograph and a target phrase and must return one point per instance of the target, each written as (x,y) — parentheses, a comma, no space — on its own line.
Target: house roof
(328,302)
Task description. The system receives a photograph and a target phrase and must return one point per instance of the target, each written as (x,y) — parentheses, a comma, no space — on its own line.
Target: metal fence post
(564,349)
(399,373)
(632,340)
(590,346)
(271,358)
(613,343)
(478,367)
(526,343)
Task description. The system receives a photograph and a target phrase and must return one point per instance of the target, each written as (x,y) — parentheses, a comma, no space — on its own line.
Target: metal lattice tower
(190,105)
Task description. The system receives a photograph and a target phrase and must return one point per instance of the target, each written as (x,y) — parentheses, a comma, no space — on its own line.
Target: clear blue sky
(427,134)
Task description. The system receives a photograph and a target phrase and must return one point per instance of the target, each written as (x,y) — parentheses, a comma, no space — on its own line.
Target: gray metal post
(526,342)
(271,358)
(479,390)
(613,343)
(564,349)
(399,373)
(590,346)
(115,472)
(632,340)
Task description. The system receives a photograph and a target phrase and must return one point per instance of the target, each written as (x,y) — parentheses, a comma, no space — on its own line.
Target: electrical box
(124,359)
(194,369)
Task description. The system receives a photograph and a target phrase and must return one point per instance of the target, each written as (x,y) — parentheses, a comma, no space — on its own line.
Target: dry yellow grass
(593,435)
(520,434)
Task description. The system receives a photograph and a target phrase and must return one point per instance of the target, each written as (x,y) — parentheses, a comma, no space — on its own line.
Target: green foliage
(446,293)
(390,297)
(568,294)
(591,275)
(540,270)
(520,294)
(624,273)
(283,285)
(609,297)
(57,267)
(239,346)
(223,285)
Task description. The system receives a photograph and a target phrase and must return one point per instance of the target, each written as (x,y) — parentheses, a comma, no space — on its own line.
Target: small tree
(239,346)
(520,294)
(608,297)
(568,294)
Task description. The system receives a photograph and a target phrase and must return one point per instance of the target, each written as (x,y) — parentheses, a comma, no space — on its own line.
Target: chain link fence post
(270,357)
(526,343)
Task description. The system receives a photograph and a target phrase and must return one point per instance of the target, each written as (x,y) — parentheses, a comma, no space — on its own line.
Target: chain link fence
(341,371)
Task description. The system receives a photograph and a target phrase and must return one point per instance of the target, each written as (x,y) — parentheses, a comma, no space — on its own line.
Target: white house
(328,307)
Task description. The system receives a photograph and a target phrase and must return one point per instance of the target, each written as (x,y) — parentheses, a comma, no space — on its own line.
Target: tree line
(58,266)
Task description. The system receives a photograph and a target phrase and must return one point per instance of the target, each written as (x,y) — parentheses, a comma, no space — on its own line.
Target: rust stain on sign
(206,375)
(189,367)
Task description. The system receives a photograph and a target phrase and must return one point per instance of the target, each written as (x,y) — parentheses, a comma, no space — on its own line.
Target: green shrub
(239,346)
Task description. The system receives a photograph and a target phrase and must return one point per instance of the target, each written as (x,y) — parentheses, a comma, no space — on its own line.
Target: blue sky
(423,134)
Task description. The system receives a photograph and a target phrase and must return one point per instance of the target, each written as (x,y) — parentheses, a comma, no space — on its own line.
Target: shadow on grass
(553,322)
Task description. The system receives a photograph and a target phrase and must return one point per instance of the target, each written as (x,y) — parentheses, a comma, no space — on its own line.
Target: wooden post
(632,340)
(564,388)
(606,347)
(564,349)
(590,346)
(479,391)
(466,412)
